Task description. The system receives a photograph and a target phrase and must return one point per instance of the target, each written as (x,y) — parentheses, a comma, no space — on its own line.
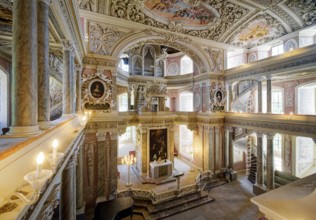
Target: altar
(160,168)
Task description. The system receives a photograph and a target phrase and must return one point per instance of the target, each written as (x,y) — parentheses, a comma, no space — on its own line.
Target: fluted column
(68,78)
(206,153)
(68,191)
(79,182)
(24,69)
(43,64)
(270,162)
(259,96)
(259,159)
(269,96)
(78,89)
(230,148)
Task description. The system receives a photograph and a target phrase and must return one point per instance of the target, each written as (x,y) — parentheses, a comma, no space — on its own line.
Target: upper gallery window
(186,65)
(276,50)
(123,102)
(186,101)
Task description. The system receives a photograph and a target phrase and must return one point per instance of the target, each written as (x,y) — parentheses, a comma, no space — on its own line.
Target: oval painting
(97,89)
(184,12)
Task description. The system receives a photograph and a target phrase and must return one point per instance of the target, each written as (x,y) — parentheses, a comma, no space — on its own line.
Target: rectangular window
(277,101)
(276,50)
(123,103)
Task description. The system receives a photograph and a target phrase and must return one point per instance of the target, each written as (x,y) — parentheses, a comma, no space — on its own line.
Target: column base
(258,189)
(23,131)
(44,125)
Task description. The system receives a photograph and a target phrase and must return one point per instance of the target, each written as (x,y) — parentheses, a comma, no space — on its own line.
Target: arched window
(186,102)
(124,64)
(123,105)
(306,99)
(186,65)
(3,100)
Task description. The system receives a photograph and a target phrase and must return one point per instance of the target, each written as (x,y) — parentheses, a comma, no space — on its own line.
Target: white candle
(39,160)
(55,145)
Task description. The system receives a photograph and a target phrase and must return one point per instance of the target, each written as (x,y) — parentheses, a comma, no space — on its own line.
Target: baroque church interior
(175,109)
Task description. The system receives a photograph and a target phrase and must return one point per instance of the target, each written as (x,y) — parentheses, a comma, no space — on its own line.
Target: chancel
(115,109)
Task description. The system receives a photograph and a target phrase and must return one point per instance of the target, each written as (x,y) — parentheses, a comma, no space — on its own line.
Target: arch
(149,57)
(197,54)
(252,57)
(290,45)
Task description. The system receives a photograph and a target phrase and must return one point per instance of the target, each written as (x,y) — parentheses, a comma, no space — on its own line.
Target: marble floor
(232,200)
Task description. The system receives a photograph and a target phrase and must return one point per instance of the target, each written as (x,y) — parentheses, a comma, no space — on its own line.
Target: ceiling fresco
(184,12)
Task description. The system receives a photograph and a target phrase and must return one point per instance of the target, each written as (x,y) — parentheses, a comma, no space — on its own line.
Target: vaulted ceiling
(241,23)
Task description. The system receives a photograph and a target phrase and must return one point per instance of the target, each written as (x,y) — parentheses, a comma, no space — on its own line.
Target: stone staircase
(253,169)
(165,209)
(282,179)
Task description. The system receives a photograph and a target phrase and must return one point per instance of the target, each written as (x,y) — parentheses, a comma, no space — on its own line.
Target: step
(184,207)
(176,202)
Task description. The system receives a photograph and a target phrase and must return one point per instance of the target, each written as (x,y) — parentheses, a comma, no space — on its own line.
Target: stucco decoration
(217,97)
(217,59)
(228,14)
(290,45)
(102,38)
(188,13)
(306,9)
(97,90)
(56,64)
(56,96)
(88,5)
(173,69)
(261,29)
(252,57)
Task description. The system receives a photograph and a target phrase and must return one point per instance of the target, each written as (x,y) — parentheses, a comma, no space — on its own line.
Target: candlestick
(39,160)
(55,145)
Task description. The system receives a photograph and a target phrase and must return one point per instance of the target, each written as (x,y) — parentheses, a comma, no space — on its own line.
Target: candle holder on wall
(37,181)
(54,161)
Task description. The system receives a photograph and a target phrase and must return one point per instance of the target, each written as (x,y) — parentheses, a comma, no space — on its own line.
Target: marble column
(259,159)
(270,162)
(78,89)
(68,191)
(230,148)
(79,182)
(24,69)
(68,78)
(259,96)
(43,64)
(269,96)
